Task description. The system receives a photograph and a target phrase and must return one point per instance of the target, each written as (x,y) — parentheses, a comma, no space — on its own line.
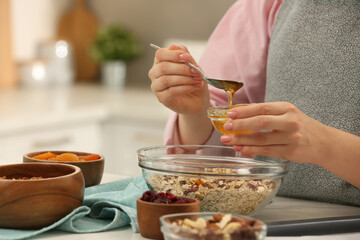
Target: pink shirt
(236,50)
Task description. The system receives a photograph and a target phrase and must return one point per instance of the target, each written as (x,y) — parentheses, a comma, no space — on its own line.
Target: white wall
(33,21)
(156,21)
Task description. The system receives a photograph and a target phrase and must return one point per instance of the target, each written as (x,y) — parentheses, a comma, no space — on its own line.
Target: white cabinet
(75,137)
(122,138)
(87,118)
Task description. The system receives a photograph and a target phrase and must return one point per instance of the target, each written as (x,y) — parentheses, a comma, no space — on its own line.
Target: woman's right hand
(176,85)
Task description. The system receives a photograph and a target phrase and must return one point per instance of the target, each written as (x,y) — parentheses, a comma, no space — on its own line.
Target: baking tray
(318,226)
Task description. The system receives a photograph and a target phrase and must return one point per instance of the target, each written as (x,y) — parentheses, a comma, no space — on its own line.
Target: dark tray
(319,226)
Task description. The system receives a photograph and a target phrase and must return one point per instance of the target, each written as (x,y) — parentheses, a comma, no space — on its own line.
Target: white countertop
(25,108)
(280,209)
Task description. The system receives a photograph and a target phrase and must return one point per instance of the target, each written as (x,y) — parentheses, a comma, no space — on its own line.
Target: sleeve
(236,50)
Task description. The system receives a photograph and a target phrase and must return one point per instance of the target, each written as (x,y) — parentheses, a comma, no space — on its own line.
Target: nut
(200,223)
(224,221)
(232,226)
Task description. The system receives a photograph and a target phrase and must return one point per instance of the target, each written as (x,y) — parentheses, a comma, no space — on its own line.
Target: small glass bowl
(222,179)
(218,117)
(172,231)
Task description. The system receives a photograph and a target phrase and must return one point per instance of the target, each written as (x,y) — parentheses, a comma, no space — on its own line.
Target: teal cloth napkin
(106,206)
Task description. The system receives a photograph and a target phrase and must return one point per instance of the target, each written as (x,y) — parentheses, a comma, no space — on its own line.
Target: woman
(299,61)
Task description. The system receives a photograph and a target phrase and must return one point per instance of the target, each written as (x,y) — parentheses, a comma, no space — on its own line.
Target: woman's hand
(294,136)
(181,89)
(176,85)
(290,133)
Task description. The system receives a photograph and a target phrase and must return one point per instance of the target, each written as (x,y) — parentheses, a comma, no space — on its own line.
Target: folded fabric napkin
(106,206)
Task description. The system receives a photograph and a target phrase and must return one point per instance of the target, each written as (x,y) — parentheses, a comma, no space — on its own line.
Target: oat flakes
(218,195)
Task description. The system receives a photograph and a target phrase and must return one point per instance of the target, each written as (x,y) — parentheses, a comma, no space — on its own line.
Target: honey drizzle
(230,88)
(230,96)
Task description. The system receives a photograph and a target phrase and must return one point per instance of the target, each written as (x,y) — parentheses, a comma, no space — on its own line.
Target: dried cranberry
(160,200)
(179,201)
(167,198)
(160,195)
(148,196)
(170,196)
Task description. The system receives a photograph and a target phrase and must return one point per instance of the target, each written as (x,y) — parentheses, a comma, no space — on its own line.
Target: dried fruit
(45,156)
(90,157)
(21,178)
(67,157)
(166,198)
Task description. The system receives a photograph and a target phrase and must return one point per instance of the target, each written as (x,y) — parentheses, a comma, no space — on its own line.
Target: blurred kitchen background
(73,73)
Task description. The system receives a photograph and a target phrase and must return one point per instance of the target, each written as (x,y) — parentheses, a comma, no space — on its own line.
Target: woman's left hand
(290,134)
(294,136)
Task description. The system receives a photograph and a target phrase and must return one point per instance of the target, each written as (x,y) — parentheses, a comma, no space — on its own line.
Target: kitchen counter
(29,109)
(281,209)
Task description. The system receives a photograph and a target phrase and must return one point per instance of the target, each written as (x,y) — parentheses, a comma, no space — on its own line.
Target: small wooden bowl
(36,203)
(149,214)
(92,170)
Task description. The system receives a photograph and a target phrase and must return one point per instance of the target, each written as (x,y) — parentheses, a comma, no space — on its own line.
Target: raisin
(166,198)
(148,196)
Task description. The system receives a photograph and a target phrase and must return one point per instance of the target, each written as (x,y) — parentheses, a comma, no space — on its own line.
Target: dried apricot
(67,157)
(90,157)
(45,156)
(198,182)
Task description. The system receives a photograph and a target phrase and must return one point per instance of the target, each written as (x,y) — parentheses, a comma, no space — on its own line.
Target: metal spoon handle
(199,70)
(187,63)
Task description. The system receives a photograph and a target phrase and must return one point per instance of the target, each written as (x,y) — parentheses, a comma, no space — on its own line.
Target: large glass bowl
(221,178)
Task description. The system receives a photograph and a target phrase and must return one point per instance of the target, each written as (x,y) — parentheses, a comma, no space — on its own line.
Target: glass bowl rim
(226,106)
(216,111)
(145,162)
(169,225)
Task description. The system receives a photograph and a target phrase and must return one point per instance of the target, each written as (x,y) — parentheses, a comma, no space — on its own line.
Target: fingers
(170,68)
(264,116)
(284,124)
(263,122)
(164,54)
(269,143)
(170,71)
(175,53)
(250,110)
(170,62)
(256,139)
(169,81)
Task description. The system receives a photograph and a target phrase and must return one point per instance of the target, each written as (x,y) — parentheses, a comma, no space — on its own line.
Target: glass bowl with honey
(218,117)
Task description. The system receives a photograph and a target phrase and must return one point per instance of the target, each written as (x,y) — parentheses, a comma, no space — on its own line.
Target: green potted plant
(114,46)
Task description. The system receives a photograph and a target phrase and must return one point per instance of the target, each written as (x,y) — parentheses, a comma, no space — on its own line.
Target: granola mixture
(219,227)
(217,195)
(22,178)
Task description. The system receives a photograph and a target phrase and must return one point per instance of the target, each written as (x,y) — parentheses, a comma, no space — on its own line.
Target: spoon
(226,85)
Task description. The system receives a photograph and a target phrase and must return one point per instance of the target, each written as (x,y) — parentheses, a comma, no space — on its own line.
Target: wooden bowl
(92,170)
(36,203)
(149,214)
